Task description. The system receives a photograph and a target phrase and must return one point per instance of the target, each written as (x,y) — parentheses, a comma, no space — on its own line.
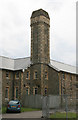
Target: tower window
(35,75)
(7,74)
(46,75)
(45,91)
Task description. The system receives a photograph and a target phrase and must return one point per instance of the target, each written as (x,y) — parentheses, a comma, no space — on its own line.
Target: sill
(16,78)
(7,78)
(6,99)
(35,78)
(27,78)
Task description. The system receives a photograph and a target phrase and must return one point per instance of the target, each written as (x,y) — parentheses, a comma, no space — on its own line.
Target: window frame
(15,92)
(35,76)
(45,90)
(34,90)
(63,76)
(7,73)
(17,77)
(28,74)
(8,93)
(46,75)
(27,87)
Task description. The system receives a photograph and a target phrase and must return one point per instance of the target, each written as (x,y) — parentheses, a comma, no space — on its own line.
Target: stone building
(37,74)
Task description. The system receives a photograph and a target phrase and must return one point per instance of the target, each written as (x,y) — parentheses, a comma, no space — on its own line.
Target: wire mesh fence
(59,106)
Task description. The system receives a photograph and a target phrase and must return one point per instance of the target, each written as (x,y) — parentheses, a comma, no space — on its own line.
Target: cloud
(15,37)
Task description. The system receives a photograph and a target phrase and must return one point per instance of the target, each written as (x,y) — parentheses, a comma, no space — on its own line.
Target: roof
(40,12)
(23,63)
(63,67)
(14,64)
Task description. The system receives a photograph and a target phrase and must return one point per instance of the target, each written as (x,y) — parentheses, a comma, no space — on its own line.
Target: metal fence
(51,104)
(58,104)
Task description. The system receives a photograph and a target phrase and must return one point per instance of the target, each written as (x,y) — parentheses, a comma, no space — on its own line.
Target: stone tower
(40,24)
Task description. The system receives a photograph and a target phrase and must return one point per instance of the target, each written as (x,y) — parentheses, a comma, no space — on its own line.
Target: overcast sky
(15,31)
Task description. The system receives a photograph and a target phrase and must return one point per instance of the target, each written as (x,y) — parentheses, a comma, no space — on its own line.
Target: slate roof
(39,13)
(23,63)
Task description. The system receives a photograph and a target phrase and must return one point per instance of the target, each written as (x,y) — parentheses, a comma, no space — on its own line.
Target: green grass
(63,115)
(23,109)
(3,109)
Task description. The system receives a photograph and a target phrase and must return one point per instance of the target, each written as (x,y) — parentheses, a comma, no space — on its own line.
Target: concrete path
(33,114)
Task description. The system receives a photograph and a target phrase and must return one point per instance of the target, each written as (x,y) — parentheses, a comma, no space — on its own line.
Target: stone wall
(10,83)
(40,24)
(53,81)
(0,90)
(7,82)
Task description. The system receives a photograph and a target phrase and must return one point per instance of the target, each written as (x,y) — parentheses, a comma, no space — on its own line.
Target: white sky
(15,32)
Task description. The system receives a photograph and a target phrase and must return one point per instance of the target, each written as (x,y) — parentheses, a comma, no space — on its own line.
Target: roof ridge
(29,57)
(21,58)
(6,57)
(13,58)
(63,63)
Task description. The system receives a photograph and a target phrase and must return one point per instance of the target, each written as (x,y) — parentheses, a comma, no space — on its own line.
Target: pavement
(33,114)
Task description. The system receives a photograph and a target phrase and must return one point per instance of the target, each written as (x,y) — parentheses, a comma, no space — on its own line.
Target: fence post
(66,107)
(45,106)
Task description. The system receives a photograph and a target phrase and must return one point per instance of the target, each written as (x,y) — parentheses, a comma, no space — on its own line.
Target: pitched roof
(63,67)
(14,64)
(23,63)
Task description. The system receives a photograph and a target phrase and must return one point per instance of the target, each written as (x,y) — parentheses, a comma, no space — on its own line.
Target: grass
(3,109)
(23,109)
(63,115)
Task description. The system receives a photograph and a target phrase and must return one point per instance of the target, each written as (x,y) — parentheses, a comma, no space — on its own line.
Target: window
(35,91)
(27,90)
(76,77)
(16,92)
(70,78)
(17,75)
(64,90)
(35,75)
(76,94)
(70,82)
(45,91)
(27,75)
(7,74)
(63,75)
(77,85)
(46,75)
(7,92)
